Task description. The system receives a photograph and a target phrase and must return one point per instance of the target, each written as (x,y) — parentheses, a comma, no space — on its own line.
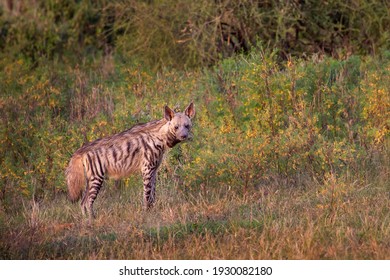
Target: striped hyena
(140,148)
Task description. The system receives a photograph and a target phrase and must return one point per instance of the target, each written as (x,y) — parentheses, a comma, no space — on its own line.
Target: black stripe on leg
(99,164)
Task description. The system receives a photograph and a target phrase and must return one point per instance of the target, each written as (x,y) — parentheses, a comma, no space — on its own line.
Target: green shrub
(187,34)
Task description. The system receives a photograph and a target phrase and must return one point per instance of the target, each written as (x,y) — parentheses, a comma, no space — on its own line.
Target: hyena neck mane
(150,127)
(159,129)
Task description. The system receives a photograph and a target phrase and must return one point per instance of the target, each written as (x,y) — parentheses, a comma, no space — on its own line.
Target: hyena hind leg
(93,187)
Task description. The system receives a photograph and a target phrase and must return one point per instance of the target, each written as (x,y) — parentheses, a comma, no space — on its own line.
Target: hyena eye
(187,126)
(176,127)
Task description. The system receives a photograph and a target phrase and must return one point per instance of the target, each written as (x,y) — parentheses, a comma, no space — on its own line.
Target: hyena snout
(183,137)
(183,134)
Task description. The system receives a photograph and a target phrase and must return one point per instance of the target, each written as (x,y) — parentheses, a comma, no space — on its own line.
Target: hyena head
(179,124)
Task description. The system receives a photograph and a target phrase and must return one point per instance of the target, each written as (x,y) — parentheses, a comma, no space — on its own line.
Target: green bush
(187,34)
(258,121)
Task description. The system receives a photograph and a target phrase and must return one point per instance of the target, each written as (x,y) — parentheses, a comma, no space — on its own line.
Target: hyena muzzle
(140,148)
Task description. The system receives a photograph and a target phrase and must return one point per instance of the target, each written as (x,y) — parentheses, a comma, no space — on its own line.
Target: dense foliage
(256,119)
(191,33)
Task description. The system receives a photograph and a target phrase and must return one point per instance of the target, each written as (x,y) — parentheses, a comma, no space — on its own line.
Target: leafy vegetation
(290,151)
(183,33)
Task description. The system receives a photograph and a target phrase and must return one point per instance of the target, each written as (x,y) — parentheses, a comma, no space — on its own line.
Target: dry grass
(337,219)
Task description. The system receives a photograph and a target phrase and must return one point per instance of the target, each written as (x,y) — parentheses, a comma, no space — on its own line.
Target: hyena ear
(168,113)
(190,111)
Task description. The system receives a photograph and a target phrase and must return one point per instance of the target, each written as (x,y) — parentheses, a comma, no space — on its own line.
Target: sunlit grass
(282,223)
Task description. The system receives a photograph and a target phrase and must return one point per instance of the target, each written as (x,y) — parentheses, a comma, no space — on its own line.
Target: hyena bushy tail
(75,178)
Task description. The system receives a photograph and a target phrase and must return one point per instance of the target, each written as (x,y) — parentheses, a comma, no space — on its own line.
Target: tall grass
(339,219)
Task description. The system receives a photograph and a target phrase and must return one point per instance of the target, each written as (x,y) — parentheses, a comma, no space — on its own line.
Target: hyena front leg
(149,179)
(93,187)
